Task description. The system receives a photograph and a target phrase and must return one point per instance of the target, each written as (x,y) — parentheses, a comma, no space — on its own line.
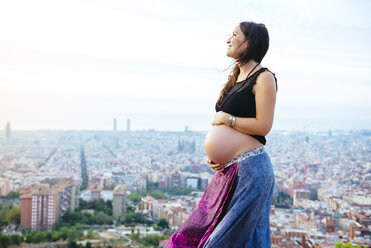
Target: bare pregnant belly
(223,143)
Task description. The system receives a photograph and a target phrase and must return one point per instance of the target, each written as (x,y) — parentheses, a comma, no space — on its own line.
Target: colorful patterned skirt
(234,210)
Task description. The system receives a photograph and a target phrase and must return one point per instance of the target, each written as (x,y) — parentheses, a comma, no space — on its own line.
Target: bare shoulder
(265,80)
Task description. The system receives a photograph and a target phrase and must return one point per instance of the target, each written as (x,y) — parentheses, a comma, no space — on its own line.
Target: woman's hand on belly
(214,166)
(220,118)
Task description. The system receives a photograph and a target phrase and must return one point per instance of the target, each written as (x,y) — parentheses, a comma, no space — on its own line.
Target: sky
(77,65)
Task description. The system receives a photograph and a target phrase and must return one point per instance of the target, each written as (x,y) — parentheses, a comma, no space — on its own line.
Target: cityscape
(133,188)
(105,107)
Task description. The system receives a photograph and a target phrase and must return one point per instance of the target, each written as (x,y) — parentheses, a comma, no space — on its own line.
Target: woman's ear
(246,44)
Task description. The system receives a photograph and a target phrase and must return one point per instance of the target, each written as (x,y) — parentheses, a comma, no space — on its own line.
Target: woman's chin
(231,56)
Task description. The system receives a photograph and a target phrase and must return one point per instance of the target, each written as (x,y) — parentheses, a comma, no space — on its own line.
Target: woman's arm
(265,99)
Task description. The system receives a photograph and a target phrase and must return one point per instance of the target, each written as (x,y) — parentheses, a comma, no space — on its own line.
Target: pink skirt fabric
(200,223)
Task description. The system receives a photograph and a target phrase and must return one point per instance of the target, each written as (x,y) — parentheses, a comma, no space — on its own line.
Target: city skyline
(77,65)
(296,125)
(63,169)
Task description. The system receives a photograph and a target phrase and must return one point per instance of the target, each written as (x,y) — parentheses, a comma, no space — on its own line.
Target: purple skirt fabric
(198,226)
(234,210)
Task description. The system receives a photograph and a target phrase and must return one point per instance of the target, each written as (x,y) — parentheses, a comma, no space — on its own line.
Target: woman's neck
(246,68)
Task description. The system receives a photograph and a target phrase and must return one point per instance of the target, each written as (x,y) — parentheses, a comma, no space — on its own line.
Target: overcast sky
(79,64)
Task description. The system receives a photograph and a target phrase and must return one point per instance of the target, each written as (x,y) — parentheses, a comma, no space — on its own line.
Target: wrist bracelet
(231,121)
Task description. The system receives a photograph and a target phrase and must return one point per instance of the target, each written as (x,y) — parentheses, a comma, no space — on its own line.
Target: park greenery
(158,193)
(132,219)
(163,223)
(347,245)
(98,205)
(72,223)
(34,237)
(148,240)
(11,195)
(135,197)
(170,191)
(7,240)
(102,213)
(96,212)
(9,214)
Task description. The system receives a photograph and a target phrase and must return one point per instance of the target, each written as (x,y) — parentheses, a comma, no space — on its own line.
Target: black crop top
(242,102)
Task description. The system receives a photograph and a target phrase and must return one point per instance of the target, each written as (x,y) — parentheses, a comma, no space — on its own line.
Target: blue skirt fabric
(244,221)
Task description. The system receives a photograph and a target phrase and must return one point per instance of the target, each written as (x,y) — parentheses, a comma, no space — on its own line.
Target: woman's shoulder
(265,76)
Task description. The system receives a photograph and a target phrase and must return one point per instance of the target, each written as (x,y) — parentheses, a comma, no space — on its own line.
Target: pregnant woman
(234,210)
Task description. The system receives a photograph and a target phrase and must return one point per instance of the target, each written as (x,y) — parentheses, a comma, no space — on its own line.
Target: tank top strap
(251,81)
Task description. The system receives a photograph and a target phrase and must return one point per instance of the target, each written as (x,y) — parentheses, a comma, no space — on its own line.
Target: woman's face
(236,43)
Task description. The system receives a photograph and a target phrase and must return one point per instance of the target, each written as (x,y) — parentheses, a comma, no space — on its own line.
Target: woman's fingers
(212,164)
(217,167)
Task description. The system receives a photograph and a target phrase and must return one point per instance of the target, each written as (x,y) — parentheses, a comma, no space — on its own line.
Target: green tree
(72,217)
(71,243)
(274,200)
(157,194)
(64,233)
(88,218)
(348,245)
(58,225)
(38,237)
(163,223)
(76,231)
(16,239)
(13,195)
(175,191)
(130,209)
(135,237)
(103,218)
(48,236)
(97,205)
(14,215)
(82,204)
(135,197)
(4,241)
(339,244)
(152,240)
(133,218)
(32,237)
(55,236)
(90,234)
(4,208)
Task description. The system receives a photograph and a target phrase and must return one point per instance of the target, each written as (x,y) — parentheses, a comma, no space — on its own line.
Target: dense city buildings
(44,203)
(322,179)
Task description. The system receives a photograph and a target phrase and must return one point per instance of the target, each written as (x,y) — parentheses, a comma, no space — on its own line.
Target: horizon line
(189,130)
